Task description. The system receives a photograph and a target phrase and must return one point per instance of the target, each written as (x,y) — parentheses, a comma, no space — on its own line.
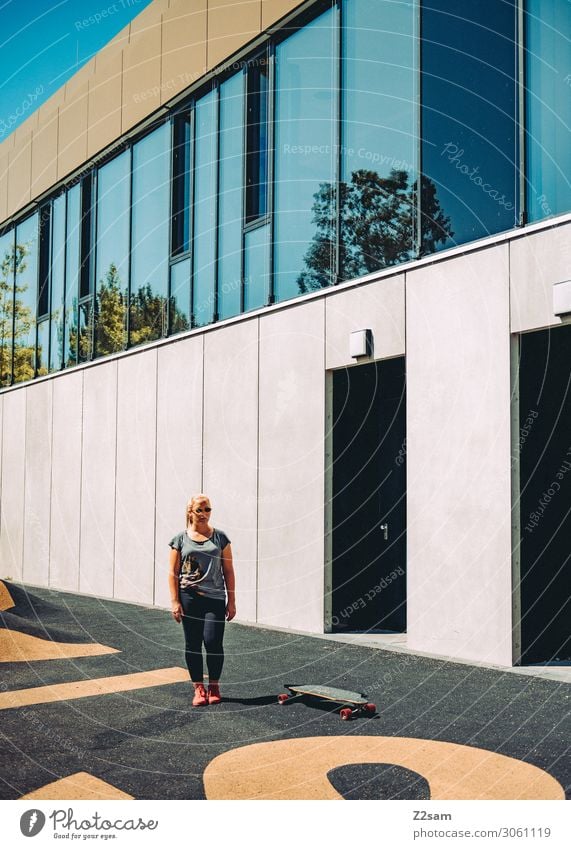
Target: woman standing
(202,587)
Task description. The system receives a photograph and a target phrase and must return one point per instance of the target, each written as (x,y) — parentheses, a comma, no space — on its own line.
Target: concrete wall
(458,457)
(169,46)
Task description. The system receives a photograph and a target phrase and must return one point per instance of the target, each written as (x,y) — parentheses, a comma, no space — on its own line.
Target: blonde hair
(191,502)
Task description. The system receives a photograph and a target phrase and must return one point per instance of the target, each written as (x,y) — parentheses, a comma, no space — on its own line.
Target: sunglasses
(206,510)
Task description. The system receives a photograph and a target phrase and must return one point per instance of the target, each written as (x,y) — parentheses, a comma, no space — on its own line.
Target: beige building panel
(19,175)
(49,106)
(105,102)
(231,24)
(183,47)
(72,134)
(44,154)
(150,16)
(75,86)
(141,75)
(273,10)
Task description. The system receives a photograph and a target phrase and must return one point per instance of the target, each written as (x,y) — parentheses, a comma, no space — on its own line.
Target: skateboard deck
(353,703)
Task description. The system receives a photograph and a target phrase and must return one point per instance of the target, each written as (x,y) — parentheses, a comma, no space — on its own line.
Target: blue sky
(44,42)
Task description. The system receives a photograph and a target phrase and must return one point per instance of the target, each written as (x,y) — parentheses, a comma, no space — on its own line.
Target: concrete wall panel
(141,73)
(536,263)
(37,488)
(231,448)
(378,306)
(291,474)
(20,175)
(183,47)
(44,154)
(458,458)
(66,481)
(97,527)
(273,10)
(135,483)
(179,447)
(72,133)
(12,513)
(231,24)
(105,104)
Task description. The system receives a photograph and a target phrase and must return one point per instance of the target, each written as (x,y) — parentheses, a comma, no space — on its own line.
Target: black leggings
(203,621)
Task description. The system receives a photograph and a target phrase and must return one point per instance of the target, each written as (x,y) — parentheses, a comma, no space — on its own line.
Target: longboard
(352,703)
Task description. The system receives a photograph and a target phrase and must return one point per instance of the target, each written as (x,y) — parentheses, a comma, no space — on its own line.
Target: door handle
(385,529)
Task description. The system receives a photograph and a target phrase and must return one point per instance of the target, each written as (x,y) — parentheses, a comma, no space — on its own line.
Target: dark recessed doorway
(369,498)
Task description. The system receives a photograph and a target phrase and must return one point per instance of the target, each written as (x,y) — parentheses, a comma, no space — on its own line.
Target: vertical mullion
(13,353)
(521,124)
(271,55)
(417,248)
(129,253)
(37,297)
(336,276)
(171,222)
(244,187)
(192,167)
(91,260)
(64,288)
(217,205)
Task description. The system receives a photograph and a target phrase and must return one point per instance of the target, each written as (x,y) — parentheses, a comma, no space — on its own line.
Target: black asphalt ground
(151,744)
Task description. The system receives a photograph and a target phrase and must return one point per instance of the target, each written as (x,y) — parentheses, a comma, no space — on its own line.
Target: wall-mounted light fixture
(562,298)
(361,343)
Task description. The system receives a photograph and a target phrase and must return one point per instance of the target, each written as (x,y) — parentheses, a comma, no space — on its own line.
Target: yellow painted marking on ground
(16,647)
(80,785)
(6,600)
(297,769)
(92,687)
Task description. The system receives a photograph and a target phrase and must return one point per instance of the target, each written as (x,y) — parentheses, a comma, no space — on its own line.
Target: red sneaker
(199,696)
(214,697)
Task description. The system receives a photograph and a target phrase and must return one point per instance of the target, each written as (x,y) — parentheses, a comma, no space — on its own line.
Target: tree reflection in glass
(376,225)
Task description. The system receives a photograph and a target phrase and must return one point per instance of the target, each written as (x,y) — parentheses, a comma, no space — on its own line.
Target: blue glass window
(230,196)
(57,283)
(72,265)
(306,148)
(548,70)
(379,136)
(256,267)
(112,259)
(149,268)
(469,143)
(6,306)
(180,296)
(204,245)
(26,293)
(257,81)
(181,184)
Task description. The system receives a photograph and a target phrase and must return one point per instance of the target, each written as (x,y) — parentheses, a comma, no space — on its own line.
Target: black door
(545,505)
(369,497)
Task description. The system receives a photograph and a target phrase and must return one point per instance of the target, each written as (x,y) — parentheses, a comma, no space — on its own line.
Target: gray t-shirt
(197,557)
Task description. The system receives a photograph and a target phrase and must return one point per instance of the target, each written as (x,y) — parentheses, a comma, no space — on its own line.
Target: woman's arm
(230,581)
(174,569)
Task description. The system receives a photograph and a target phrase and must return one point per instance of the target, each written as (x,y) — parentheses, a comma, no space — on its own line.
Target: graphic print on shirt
(192,572)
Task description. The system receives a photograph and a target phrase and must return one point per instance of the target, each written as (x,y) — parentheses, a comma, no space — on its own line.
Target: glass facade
(150,247)
(6,306)
(25,298)
(366,134)
(379,170)
(204,242)
(548,83)
(306,133)
(230,196)
(469,128)
(111,257)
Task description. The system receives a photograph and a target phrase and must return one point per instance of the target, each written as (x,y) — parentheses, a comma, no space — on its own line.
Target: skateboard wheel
(370,709)
(346,713)
(283,698)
